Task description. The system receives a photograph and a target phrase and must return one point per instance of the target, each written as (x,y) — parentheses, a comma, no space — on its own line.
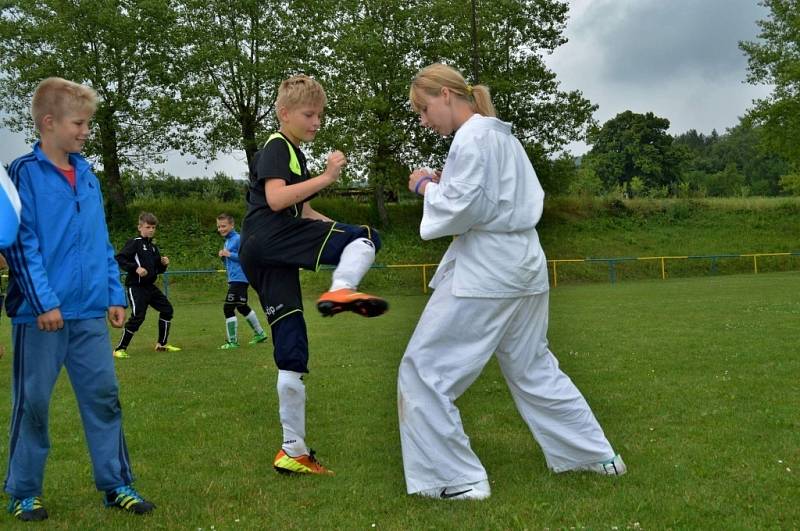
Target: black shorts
(237,293)
(272,265)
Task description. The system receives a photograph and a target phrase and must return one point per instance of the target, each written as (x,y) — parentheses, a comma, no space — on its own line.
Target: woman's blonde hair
(300,90)
(431,79)
(58,97)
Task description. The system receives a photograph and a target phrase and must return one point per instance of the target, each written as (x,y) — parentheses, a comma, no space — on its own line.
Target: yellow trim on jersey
(294,162)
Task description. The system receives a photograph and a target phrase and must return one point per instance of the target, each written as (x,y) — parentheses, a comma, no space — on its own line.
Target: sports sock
(232,328)
(252,320)
(125,340)
(163,331)
(292,411)
(356,259)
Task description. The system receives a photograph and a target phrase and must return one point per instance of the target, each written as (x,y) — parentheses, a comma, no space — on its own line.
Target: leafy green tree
(727,182)
(744,147)
(632,144)
(378,46)
(790,184)
(366,76)
(120,48)
(233,56)
(512,37)
(775,60)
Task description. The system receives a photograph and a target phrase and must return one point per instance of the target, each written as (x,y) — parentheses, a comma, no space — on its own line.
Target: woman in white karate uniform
(491,297)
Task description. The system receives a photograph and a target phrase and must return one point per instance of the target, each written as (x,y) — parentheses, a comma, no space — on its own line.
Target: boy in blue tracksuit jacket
(64,281)
(236,299)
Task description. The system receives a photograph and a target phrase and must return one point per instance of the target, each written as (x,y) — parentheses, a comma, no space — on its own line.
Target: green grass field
(695,382)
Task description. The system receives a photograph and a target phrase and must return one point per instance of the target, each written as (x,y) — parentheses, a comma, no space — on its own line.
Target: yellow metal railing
(611,263)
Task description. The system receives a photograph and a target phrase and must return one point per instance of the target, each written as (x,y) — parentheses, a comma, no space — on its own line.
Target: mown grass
(694,382)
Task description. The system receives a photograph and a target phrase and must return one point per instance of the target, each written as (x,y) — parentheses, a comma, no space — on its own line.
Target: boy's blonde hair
(300,90)
(58,97)
(431,79)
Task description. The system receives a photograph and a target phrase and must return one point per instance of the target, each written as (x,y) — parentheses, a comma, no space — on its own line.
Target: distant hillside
(570,228)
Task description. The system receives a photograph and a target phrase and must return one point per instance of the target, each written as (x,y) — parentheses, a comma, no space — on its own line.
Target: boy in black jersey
(143,262)
(280,235)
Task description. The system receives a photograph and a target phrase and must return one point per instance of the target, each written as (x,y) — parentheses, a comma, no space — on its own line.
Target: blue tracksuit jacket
(232,264)
(62,257)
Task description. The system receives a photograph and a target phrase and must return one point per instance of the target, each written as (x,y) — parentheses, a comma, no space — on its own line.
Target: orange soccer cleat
(344,300)
(302,464)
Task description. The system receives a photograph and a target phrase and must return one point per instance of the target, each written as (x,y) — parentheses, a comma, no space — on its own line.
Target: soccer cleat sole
(371,307)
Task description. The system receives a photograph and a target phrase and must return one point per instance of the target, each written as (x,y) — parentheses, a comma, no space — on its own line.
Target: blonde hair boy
(300,90)
(58,97)
(64,282)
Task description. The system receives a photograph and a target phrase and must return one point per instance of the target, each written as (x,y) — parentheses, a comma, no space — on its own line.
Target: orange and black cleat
(348,300)
(302,464)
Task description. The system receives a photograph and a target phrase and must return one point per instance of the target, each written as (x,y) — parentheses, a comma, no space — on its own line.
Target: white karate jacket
(490,199)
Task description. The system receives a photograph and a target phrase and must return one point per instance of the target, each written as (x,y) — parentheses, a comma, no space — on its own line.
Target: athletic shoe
(612,467)
(229,345)
(302,464)
(167,348)
(121,353)
(258,338)
(342,300)
(28,509)
(127,499)
(479,490)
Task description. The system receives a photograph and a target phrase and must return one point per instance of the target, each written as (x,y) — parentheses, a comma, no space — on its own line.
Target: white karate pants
(453,341)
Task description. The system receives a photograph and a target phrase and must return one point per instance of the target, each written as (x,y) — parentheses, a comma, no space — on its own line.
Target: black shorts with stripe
(237,293)
(272,262)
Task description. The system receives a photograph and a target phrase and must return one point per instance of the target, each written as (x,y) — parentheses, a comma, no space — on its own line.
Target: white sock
(232,328)
(356,259)
(252,319)
(292,410)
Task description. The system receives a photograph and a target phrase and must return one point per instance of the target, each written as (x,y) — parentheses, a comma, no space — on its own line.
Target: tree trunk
(109,153)
(475,49)
(248,124)
(380,205)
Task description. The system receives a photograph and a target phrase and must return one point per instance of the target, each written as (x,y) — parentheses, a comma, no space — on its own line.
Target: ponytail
(481,100)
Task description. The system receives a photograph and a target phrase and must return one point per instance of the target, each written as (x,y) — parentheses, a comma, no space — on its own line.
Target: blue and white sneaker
(28,509)
(127,499)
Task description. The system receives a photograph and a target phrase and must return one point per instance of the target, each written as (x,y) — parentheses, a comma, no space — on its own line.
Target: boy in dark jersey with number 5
(280,235)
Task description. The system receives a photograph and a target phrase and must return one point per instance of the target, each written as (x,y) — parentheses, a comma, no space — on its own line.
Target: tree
(744,147)
(631,145)
(775,60)
(234,55)
(511,38)
(120,48)
(378,46)
(367,77)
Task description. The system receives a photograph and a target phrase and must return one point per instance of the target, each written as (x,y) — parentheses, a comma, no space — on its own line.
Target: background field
(694,381)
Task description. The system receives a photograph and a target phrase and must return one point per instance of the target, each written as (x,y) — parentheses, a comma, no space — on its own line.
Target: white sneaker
(613,467)
(470,491)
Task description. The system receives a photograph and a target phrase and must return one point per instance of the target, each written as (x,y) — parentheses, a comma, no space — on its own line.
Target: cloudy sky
(677,58)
